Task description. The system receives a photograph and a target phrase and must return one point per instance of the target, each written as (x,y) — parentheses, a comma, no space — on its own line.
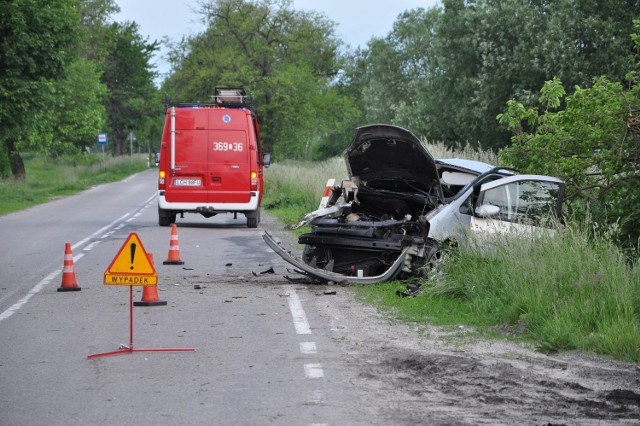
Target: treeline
(68,72)
(445,72)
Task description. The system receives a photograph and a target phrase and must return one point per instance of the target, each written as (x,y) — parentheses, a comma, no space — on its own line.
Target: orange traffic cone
(150,293)
(69,282)
(174,248)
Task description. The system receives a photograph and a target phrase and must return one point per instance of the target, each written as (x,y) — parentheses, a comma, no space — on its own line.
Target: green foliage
(75,116)
(52,99)
(447,72)
(551,94)
(36,44)
(592,144)
(287,59)
(390,77)
(132,100)
(96,31)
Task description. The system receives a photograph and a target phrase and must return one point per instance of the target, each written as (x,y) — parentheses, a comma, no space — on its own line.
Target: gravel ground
(419,374)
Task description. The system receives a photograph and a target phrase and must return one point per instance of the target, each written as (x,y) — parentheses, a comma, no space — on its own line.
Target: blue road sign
(102,138)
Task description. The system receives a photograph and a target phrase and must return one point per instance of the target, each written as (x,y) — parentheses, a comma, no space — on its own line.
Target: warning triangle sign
(130,264)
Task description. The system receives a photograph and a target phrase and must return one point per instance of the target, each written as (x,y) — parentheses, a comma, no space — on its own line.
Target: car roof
(472,165)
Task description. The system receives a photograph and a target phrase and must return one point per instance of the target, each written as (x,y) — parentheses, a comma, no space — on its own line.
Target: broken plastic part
(389,274)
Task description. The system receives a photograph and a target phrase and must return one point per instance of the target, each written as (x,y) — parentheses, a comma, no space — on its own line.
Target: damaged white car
(400,206)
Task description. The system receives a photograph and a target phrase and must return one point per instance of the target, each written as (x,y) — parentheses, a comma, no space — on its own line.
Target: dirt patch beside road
(426,375)
(420,374)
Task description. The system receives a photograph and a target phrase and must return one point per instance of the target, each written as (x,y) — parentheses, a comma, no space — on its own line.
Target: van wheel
(165,218)
(253,218)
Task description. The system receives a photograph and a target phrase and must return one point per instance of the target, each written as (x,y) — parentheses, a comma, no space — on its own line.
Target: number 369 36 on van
(211,159)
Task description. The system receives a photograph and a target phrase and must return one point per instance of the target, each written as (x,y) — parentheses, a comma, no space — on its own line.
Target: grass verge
(48,179)
(574,290)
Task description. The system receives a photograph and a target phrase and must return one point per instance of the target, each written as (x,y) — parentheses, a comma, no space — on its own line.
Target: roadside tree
(131,99)
(287,59)
(591,139)
(36,44)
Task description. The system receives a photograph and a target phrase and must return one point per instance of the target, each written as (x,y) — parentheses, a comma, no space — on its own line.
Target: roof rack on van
(226,97)
(232,97)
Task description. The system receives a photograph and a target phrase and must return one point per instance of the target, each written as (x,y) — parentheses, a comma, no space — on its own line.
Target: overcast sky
(358,20)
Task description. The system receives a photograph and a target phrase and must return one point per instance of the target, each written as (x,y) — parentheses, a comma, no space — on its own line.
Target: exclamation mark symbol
(133,253)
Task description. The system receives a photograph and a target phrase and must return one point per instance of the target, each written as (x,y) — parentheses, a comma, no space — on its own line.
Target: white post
(173,140)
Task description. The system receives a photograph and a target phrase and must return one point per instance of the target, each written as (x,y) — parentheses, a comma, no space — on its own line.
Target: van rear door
(229,173)
(188,181)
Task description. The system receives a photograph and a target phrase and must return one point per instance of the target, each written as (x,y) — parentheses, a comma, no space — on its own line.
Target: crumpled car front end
(374,227)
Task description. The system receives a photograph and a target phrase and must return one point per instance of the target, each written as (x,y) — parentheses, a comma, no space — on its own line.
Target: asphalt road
(255,348)
(261,352)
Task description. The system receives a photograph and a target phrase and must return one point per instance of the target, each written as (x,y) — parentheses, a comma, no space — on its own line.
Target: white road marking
(99,231)
(299,317)
(35,290)
(313,371)
(316,397)
(46,280)
(308,348)
(91,246)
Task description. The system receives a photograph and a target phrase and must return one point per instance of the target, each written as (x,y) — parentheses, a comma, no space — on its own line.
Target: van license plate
(187,182)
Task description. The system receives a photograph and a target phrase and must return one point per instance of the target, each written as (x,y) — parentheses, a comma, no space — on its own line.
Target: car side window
(527,202)
(467,206)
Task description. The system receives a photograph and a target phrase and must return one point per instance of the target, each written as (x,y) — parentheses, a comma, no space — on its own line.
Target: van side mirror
(487,210)
(266,159)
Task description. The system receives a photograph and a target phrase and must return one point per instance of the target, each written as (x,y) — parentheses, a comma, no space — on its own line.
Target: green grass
(572,291)
(435,311)
(565,292)
(48,179)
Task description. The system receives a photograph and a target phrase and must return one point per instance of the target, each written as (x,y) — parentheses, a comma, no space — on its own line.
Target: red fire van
(211,159)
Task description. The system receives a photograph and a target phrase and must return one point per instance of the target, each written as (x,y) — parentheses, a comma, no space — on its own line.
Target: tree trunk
(15,161)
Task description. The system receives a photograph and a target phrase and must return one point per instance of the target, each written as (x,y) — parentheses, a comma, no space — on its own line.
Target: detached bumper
(389,274)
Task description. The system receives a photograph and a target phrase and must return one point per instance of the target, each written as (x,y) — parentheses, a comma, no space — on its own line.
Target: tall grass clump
(440,150)
(295,188)
(573,290)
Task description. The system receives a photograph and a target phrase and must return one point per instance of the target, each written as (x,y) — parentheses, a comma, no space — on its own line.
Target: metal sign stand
(130,349)
(127,269)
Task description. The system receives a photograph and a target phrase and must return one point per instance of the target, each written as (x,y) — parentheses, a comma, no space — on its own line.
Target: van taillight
(161,179)
(254,181)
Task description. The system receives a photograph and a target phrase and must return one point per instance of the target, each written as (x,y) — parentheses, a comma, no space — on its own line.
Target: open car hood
(379,156)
